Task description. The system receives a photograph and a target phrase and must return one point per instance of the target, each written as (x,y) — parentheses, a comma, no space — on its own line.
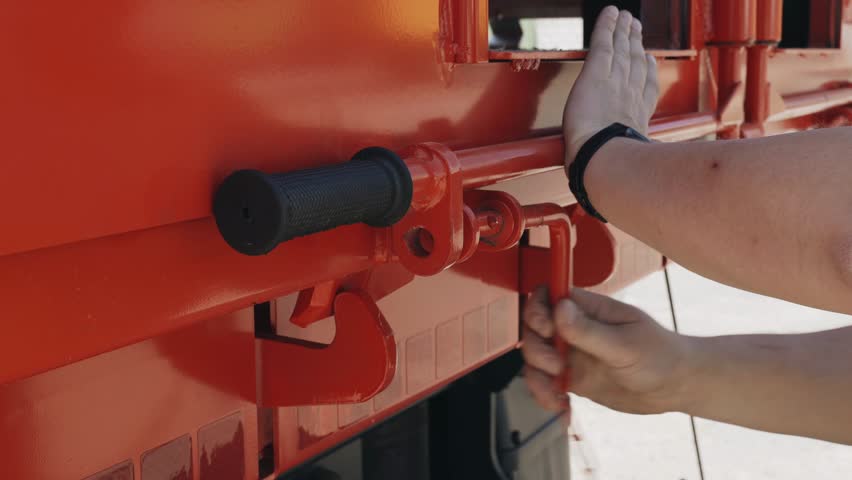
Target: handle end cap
(249,213)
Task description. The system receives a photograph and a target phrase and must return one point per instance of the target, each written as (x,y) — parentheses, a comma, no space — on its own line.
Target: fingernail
(637,25)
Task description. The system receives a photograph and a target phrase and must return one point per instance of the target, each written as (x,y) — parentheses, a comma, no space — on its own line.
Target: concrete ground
(616,446)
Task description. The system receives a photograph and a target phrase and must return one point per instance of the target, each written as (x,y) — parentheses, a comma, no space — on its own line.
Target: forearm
(791,384)
(771,215)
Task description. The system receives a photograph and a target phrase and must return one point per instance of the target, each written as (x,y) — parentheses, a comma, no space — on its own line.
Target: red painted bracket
(358,364)
(558,222)
(499,221)
(430,238)
(315,303)
(594,261)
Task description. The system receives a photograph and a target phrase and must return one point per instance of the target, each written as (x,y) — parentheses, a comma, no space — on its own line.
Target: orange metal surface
(128,342)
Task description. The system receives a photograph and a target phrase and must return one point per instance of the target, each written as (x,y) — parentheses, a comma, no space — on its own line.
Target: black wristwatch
(577,170)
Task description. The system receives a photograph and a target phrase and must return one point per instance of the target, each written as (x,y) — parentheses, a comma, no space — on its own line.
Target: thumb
(604,341)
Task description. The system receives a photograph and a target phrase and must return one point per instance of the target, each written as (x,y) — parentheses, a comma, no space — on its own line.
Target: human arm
(770,215)
(792,384)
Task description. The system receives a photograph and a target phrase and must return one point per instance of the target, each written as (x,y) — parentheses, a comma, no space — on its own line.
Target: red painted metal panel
(170,461)
(444,325)
(222,447)
(153,404)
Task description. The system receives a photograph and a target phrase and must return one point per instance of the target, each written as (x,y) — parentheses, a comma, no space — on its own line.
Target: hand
(618,82)
(620,357)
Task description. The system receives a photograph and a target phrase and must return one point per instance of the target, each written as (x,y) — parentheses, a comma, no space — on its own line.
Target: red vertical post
(734,29)
(559,223)
(471,30)
(770,19)
(560,286)
(730,68)
(769,23)
(757,91)
(734,21)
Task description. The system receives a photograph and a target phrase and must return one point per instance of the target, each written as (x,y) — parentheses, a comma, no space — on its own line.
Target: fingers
(540,354)
(588,379)
(638,60)
(652,86)
(605,309)
(541,387)
(587,374)
(599,58)
(601,340)
(537,313)
(621,46)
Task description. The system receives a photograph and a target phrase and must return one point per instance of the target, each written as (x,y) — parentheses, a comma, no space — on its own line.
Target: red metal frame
(128,332)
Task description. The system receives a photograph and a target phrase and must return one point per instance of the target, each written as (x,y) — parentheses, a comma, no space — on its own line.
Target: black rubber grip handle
(256,211)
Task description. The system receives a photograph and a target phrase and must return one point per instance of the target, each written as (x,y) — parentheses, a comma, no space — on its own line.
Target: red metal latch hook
(307,373)
(500,221)
(561,247)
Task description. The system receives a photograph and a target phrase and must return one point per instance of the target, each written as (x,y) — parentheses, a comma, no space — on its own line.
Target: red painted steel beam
(509,55)
(68,303)
(757,88)
(684,127)
(807,103)
(487,165)
(490,164)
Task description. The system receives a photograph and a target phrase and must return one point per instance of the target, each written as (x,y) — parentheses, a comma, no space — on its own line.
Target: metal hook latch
(298,372)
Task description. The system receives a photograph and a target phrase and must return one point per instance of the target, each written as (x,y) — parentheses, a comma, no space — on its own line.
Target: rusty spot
(525,64)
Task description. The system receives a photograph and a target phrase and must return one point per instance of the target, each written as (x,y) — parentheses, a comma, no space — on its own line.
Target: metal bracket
(297,372)
(315,303)
(430,238)
(594,261)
